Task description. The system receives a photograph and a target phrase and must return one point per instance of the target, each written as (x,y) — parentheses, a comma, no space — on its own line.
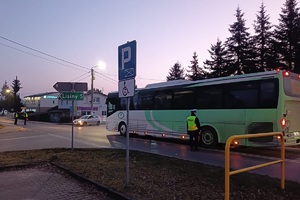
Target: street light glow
(101,65)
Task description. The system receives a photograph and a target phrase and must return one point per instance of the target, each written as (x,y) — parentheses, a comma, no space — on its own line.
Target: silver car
(87,120)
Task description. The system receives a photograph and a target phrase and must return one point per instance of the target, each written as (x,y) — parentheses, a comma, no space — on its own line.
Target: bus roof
(168,83)
(237,78)
(212,81)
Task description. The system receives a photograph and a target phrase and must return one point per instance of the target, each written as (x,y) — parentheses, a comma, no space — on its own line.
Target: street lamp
(102,66)
(3,99)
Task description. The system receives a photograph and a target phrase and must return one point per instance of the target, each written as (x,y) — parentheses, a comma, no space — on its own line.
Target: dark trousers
(25,121)
(193,139)
(16,120)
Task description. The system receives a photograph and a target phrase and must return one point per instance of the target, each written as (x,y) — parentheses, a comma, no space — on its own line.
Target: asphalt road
(38,135)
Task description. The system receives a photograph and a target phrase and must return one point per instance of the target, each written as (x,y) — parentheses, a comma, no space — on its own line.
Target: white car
(87,120)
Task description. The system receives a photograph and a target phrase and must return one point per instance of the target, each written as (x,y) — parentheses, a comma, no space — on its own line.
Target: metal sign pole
(127,73)
(127,143)
(72,124)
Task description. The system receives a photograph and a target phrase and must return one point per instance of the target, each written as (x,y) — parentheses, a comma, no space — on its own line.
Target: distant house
(41,102)
(59,110)
(84,107)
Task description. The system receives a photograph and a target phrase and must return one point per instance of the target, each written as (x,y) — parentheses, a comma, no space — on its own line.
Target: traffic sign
(72,96)
(126,88)
(70,86)
(127,60)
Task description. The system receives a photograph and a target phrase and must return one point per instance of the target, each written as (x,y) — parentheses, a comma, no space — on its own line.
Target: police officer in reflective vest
(193,130)
(16,118)
(25,115)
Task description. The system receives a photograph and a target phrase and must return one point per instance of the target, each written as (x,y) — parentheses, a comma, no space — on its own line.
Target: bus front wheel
(209,137)
(122,128)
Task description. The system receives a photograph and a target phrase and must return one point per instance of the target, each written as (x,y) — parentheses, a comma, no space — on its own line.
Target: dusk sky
(38,36)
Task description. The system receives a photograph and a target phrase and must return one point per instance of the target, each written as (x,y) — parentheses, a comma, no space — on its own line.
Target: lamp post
(92,90)
(4,99)
(102,66)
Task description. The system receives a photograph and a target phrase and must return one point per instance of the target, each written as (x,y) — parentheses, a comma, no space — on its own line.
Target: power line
(42,52)
(97,73)
(46,54)
(26,52)
(86,76)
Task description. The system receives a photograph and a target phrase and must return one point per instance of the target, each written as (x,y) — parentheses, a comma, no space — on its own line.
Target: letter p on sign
(126,59)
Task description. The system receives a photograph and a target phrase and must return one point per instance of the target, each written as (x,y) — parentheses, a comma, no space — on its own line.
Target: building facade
(41,102)
(84,107)
(58,108)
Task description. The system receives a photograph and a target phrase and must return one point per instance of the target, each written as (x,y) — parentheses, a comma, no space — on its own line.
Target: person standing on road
(193,130)
(16,118)
(25,115)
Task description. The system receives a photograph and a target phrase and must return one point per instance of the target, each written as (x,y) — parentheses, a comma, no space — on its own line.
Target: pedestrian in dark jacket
(193,130)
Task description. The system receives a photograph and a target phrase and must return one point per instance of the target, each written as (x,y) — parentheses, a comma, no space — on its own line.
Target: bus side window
(269,94)
(184,99)
(145,101)
(123,104)
(242,95)
(210,97)
(163,100)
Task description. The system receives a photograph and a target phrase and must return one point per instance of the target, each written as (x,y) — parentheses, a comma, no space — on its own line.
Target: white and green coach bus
(234,105)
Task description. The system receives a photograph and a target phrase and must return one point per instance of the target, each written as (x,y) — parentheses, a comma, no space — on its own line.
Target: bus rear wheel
(209,137)
(122,128)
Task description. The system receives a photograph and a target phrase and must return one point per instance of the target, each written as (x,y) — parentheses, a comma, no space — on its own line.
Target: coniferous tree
(16,86)
(239,47)
(5,89)
(5,97)
(176,72)
(195,72)
(218,63)
(287,36)
(262,41)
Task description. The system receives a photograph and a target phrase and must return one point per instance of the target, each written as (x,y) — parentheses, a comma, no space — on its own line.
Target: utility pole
(92,90)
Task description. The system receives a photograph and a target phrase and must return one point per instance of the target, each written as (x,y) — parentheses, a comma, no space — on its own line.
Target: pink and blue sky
(34,33)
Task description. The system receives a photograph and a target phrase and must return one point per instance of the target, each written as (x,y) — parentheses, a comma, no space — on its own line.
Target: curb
(111,192)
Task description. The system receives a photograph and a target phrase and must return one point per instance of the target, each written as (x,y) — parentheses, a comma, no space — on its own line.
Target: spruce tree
(217,65)
(176,72)
(5,89)
(5,94)
(287,36)
(16,86)
(262,41)
(195,72)
(239,47)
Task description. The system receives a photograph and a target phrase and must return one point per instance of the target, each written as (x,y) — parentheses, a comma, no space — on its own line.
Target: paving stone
(45,183)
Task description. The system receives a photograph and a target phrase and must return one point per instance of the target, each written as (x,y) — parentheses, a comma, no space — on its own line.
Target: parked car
(87,120)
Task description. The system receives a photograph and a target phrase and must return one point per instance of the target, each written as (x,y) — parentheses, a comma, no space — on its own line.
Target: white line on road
(83,142)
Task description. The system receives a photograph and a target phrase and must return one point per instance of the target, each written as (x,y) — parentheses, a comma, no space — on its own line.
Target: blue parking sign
(127,60)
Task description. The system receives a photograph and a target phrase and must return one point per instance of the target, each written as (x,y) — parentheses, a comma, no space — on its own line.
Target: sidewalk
(45,181)
(7,125)
(11,129)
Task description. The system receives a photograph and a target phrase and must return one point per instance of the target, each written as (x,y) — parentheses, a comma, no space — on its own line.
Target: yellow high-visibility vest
(191,123)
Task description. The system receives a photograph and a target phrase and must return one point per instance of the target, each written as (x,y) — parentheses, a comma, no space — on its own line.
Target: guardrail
(227,159)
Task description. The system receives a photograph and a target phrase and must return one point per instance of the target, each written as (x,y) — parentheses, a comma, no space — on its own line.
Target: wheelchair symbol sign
(126,88)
